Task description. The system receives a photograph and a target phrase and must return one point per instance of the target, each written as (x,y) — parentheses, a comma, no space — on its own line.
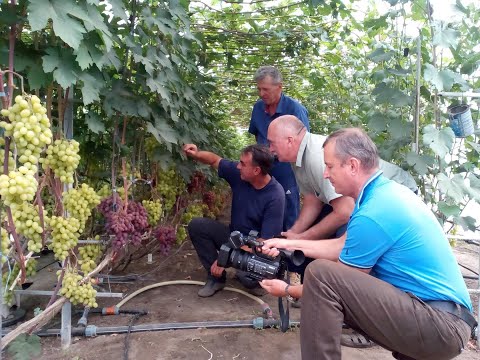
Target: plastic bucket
(460,120)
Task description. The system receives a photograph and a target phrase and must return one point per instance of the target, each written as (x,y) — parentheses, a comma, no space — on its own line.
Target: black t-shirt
(260,210)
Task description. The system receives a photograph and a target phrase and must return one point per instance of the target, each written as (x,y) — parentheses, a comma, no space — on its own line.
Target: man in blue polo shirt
(272,104)
(258,202)
(396,278)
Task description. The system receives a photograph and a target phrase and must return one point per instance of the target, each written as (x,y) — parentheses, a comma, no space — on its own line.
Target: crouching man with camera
(258,202)
(396,279)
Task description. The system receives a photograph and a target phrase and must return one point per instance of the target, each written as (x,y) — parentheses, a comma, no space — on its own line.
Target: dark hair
(354,142)
(261,156)
(265,71)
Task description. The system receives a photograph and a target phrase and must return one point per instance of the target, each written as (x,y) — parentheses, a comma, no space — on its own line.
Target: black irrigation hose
(127,337)
(469,269)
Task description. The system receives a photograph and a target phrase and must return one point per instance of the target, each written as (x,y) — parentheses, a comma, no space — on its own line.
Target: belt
(458,310)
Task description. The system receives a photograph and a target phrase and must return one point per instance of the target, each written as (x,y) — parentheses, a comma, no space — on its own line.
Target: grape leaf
(25,347)
(468,223)
(440,141)
(90,89)
(162,130)
(83,56)
(446,37)
(62,64)
(419,162)
(454,188)
(94,123)
(66,27)
(448,209)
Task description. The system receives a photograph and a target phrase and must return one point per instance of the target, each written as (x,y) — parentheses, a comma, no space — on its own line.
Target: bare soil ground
(180,303)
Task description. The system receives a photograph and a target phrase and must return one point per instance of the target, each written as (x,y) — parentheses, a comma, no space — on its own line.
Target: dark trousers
(334,294)
(207,237)
(327,209)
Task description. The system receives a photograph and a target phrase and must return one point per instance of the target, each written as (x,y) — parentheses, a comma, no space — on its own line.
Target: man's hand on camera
(216,270)
(270,247)
(275,287)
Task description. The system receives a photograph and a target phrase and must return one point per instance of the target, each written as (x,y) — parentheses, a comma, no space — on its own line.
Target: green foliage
(25,347)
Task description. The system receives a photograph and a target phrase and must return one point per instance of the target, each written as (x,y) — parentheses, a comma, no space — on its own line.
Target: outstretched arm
(205,157)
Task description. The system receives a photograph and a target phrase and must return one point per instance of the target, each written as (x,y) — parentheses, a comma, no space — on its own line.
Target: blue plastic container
(461,120)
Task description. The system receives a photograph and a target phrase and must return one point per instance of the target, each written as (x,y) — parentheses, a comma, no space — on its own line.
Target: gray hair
(271,71)
(354,142)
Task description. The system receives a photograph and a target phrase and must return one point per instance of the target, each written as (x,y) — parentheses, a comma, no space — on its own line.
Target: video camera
(257,265)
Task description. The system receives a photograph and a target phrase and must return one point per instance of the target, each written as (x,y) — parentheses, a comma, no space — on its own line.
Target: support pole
(417,93)
(66,331)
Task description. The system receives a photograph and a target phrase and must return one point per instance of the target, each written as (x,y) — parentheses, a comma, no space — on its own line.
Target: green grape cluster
(89,255)
(63,158)
(77,292)
(11,162)
(154,211)
(5,243)
(7,280)
(27,223)
(193,211)
(181,235)
(64,235)
(31,267)
(29,127)
(170,185)
(80,202)
(18,186)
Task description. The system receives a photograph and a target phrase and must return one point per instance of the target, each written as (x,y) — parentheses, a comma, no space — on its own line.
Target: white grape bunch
(29,128)
(76,292)
(64,235)
(18,186)
(89,255)
(80,202)
(154,211)
(63,158)
(27,223)
(5,244)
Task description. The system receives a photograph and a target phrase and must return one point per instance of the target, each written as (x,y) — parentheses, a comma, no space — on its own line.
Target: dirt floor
(180,303)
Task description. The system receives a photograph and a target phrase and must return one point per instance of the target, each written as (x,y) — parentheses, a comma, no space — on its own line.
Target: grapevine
(11,162)
(7,280)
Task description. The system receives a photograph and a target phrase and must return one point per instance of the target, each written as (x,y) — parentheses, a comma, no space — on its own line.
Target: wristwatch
(288,296)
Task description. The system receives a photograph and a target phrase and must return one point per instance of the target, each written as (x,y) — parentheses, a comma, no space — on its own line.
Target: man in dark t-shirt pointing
(258,202)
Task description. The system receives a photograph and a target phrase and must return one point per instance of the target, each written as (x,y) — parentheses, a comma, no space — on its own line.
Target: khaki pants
(334,293)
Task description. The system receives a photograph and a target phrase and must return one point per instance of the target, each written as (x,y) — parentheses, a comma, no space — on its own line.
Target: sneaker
(211,287)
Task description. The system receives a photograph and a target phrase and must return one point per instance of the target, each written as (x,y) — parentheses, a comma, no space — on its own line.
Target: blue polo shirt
(282,171)
(392,232)
(253,209)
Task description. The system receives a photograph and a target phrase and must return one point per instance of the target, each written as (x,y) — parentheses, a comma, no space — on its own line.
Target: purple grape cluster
(139,221)
(126,225)
(166,236)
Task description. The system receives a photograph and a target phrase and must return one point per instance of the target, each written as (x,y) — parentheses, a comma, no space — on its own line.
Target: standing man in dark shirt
(258,202)
(272,104)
